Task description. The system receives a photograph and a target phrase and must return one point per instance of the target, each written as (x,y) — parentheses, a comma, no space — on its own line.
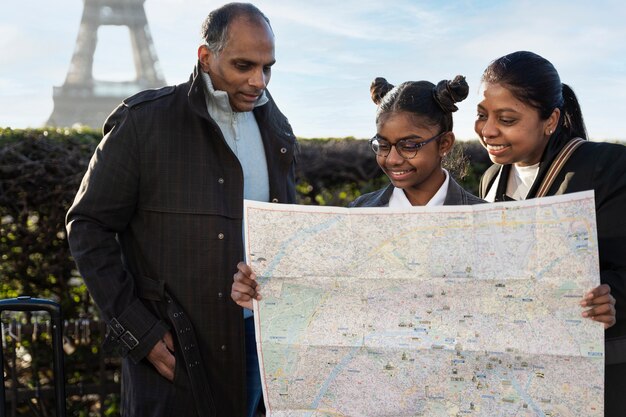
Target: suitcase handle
(26,303)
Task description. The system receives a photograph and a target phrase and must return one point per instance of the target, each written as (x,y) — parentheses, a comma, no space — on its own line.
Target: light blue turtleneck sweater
(242,135)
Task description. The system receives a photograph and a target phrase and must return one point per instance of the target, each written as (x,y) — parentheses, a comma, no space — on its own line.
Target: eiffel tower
(86,101)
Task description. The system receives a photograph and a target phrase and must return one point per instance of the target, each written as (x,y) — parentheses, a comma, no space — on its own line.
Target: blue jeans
(253,377)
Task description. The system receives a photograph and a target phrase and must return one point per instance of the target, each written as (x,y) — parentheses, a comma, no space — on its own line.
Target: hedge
(41,169)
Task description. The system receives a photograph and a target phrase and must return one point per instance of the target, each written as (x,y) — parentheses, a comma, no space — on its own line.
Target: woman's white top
(519,183)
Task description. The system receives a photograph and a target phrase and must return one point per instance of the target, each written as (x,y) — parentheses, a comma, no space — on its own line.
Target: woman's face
(421,173)
(510,130)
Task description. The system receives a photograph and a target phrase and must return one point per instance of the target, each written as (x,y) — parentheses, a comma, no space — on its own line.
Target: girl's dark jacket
(455,196)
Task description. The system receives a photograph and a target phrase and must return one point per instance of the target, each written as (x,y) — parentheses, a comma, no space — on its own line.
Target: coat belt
(151,289)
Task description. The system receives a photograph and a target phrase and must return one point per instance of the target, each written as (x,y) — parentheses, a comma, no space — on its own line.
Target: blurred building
(86,101)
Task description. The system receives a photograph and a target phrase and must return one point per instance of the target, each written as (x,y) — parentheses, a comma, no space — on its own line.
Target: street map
(427,311)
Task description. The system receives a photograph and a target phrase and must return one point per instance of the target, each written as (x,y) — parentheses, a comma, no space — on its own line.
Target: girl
(414,134)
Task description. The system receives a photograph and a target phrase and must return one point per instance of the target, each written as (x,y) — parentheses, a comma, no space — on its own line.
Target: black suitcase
(26,303)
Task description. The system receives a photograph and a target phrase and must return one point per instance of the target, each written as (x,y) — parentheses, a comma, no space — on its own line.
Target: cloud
(360,20)
(25,110)
(16,45)
(328,51)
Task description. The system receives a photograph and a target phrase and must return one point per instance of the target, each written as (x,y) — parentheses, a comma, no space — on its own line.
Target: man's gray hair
(215,27)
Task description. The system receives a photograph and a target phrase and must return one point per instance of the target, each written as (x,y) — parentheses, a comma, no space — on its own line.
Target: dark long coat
(156,232)
(600,167)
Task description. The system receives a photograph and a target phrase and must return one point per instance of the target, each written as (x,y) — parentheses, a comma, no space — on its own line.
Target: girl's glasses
(406,148)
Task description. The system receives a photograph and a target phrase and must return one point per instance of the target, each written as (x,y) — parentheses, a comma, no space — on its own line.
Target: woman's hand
(602,305)
(244,288)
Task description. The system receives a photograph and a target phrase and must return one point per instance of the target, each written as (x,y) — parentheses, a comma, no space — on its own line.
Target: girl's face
(421,176)
(510,130)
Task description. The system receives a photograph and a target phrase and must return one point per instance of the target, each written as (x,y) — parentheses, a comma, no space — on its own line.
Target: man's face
(244,67)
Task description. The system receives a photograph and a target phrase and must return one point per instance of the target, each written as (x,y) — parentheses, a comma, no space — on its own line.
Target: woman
(414,134)
(529,121)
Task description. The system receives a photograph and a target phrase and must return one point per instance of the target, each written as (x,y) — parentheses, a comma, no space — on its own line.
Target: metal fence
(92,376)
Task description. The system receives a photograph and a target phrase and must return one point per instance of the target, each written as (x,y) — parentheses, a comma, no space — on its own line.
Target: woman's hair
(214,29)
(423,99)
(534,81)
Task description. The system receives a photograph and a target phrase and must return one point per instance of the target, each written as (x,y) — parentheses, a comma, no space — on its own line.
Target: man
(156,226)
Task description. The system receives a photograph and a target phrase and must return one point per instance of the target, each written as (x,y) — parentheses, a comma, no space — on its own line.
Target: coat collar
(218,99)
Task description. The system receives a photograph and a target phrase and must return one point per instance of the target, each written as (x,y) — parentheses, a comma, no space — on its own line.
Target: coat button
(220,236)
(274,200)
(283,150)
(223,348)
(221,180)
(220,295)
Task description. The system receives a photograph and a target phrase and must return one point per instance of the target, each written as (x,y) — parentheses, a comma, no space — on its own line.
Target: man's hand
(244,288)
(602,303)
(162,358)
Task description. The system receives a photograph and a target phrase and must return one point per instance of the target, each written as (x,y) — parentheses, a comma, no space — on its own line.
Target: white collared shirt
(399,199)
(520,181)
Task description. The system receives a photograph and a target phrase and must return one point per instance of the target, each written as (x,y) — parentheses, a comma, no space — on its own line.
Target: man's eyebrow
(248,62)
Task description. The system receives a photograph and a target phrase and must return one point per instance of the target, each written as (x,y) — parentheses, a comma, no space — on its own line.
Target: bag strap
(557,164)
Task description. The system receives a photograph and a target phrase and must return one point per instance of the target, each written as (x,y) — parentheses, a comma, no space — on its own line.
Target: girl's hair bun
(447,92)
(379,88)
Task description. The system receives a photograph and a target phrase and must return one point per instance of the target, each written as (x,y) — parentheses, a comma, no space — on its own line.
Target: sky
(328,52)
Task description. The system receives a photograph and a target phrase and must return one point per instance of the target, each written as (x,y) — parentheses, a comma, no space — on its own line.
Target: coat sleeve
(103,208)
(610,193)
